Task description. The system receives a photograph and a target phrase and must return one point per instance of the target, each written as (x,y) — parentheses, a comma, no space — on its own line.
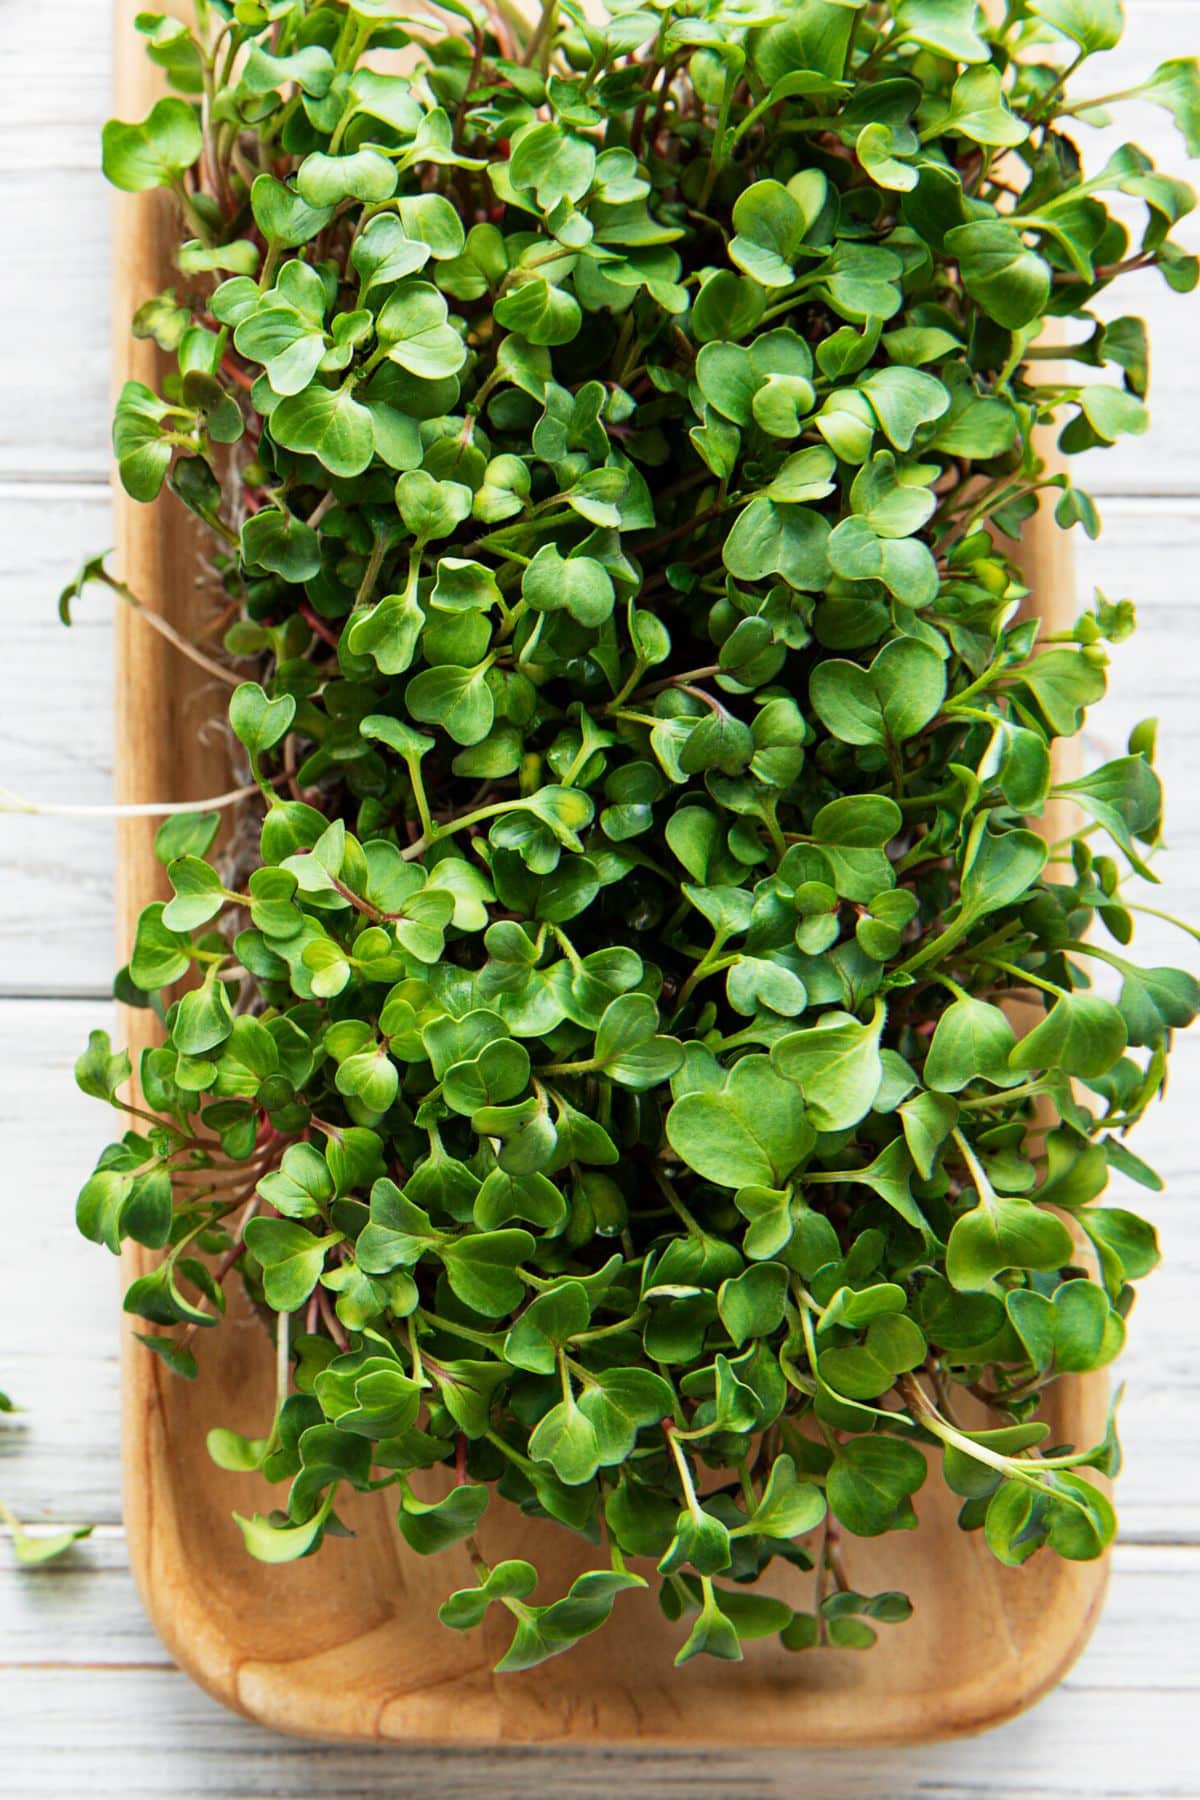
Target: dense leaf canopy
(610,437)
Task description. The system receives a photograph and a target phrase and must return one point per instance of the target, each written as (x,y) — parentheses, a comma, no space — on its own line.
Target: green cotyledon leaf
(889,702)
(836,1066)
(749,1131)
(1003,1232)
(155,152)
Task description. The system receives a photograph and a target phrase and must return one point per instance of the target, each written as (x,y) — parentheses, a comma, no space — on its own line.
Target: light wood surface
(88,1700)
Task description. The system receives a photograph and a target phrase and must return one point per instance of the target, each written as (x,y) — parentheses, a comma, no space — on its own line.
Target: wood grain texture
(55,873)
(85,1686)
(172,1739)
(348,1646)
(84,1612)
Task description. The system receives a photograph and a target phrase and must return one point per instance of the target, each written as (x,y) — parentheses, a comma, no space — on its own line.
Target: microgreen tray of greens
(594,1050)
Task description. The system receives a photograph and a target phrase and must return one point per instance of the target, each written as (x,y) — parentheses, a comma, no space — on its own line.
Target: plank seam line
(91,1668)
(56,996)
(58,483)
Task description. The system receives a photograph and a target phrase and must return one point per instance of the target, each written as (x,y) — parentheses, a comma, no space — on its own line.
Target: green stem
(1025,977)
(939,796)
(953,934)
(524,1463)
(490,1340)
(685,1474)
(720,152)
(366,586)
(1153,912)
(614,1330)
(541,33)
(283,1359)
(1028,1090)
(676,1204)
(710,964)
(983,1187)
(1012,1468)
(412,763)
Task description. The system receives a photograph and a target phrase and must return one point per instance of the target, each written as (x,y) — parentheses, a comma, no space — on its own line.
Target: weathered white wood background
(89,1702)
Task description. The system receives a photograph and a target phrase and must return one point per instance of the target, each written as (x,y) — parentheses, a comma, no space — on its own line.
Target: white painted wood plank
(83,1611)
(78,1660)
(61,1457)
(56,876)
(64,55)
(80,1612)
(54,204)
(138,1735)
(58,372)
(1147,552)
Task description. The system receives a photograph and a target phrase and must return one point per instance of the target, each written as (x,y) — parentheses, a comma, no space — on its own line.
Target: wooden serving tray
(347,1645)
